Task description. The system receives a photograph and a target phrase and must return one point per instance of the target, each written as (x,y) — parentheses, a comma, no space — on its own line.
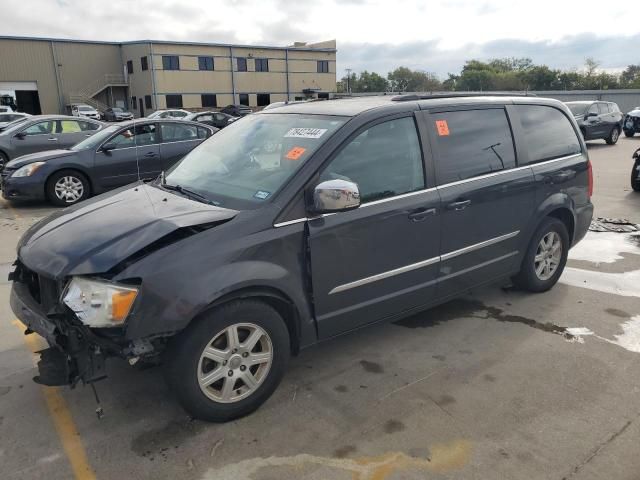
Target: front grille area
(43,290)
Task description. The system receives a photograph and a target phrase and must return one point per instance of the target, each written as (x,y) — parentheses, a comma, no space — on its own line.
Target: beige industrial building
(44,75)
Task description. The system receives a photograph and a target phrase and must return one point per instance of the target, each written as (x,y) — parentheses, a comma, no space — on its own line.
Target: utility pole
(348,70)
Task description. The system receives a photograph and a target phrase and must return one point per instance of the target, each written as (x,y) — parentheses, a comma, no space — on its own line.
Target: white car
(172,113)
(84,110)
(6,117)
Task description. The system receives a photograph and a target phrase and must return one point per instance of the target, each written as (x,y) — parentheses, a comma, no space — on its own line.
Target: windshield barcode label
(305,133)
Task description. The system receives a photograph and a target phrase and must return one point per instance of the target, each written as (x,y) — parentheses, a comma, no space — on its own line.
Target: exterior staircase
(87,94)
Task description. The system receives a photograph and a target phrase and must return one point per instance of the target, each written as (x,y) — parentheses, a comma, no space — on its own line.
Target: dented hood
(94,236)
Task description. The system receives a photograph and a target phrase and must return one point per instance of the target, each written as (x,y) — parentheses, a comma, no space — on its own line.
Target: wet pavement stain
(465,352)
(162,441)
(488,377)
(345,451)
(393,426)
(444,400)
(466,308)
(371,367)
(617,313)
(442,358)
(4,390)
(341,388)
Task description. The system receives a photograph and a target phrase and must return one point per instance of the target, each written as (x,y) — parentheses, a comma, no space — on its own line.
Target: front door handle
(52,139)
(461,205)
(150,154)
(421,214)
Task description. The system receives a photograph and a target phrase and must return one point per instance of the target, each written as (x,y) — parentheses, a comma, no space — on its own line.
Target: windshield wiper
(188,193)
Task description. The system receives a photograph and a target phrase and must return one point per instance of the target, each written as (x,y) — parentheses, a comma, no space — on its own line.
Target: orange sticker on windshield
(442,127)
(295,153)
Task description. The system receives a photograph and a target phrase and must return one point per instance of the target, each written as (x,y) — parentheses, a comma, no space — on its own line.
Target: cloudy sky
(435,36)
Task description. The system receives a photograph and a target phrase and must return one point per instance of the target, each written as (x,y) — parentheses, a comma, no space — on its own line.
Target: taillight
(590,173)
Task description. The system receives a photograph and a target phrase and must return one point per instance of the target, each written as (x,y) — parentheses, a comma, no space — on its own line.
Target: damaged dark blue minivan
(299,224)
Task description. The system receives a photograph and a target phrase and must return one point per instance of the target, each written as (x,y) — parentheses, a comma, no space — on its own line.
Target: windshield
(578,108)
(247,162)
(95,140)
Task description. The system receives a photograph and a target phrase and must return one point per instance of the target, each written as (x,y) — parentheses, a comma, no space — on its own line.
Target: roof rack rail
(431,96)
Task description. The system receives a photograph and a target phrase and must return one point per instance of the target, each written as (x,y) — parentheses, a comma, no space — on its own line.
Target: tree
(630,77)
(372,82)
(403,79)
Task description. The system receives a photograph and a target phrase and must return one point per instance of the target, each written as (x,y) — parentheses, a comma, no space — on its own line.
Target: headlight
(99,303)
(27,170)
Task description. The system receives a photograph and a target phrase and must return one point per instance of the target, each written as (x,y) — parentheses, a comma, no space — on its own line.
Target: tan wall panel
(258,53)
(260,82)
(193,82)
(140,82)
(176,49)
(301,81)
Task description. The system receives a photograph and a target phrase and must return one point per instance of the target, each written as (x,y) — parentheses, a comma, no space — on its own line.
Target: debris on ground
(620,225)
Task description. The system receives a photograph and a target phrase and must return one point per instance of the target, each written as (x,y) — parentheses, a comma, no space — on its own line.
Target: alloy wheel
(69,189)
(235,363)
(548,256)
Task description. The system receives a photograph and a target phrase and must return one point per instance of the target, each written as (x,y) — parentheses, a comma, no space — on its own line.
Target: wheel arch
(72,168)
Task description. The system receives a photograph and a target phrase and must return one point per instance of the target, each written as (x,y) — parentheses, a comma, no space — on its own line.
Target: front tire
(67,187)
(629,133)
(613,137)
(3,160)
(635,178)
(228,362)
(545,258)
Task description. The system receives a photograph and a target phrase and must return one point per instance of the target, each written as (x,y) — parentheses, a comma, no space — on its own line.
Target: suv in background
(299,224)
(84,110)
(598,120)
(632,122)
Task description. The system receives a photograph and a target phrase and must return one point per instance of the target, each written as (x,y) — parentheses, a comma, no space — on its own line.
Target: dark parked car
(215,119)
(631,124)
(117,114)
(635,171)
(598,120)
(299,224)
(116,156)
(7,118)
(44,132)
(237,110)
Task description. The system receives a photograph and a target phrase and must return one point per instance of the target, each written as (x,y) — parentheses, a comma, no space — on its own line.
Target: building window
(174,101)
(205,63)
(147,101)
(244,99)
(209,100)
(323,66)
(129,66)
(262,65)
(144,63)
(242,64)
(264,99)
(171,62)
(134,103)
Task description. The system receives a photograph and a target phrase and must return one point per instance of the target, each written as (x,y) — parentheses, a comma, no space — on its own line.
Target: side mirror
(107,147)
(335,196)
(20,135)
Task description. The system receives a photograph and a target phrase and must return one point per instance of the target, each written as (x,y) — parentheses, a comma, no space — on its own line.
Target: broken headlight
(98,303)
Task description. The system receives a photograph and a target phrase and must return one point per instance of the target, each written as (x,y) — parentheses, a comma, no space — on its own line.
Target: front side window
(604,108)
(205,63)
(40,128)
(242,64)
(548,133)
(247,162)
(593,109)
(140,136)
(472,143)
(174,132)
(384,161)
(171,62)
(262,65)
(174,101)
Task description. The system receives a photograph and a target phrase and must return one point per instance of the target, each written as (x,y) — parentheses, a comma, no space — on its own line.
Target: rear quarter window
(472,143)
(547,132)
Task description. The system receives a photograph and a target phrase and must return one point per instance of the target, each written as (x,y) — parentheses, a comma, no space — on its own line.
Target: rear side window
(548,134)
(614,107)
(173,132)
(604,108)
(69,126)
(384,160)
(203,132)
(88,126)
(472,143)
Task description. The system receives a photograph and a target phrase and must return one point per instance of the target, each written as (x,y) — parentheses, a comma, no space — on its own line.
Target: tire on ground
(50,187)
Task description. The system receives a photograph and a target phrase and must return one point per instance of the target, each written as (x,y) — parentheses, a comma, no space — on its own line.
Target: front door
(35,138)
(382,258)
(70,132)
(486,203)
(593,123)
(178,139)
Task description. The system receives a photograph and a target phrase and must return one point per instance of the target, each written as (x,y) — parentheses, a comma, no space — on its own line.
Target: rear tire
(629,133)
(613,137)
(67,187)
(216,374)
(545,258)
(635,179)
(3,160)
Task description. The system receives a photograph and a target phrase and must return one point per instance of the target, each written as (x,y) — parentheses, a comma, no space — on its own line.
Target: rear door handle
(150,154)
(421,214)
(461,205)
(52,139)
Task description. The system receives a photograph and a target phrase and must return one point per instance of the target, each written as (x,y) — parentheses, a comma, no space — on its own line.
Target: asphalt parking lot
(499,384)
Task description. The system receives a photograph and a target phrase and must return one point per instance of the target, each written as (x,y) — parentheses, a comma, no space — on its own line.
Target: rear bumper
(584,215)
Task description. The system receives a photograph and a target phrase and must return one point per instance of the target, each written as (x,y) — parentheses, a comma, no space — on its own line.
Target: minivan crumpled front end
(67,281)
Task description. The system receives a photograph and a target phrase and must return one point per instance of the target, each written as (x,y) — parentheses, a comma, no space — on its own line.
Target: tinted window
(142,135)
(242,64)
(175,132)
(40,128)
(88,126)
(209,100)
(170,62)
(472,143)
(203,132)
(174,101)
(262,65)
(177,114)
(204,118)
(205,63)
(384,160)
(547,133)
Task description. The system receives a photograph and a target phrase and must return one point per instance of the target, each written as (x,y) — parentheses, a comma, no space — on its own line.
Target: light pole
(348,70)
